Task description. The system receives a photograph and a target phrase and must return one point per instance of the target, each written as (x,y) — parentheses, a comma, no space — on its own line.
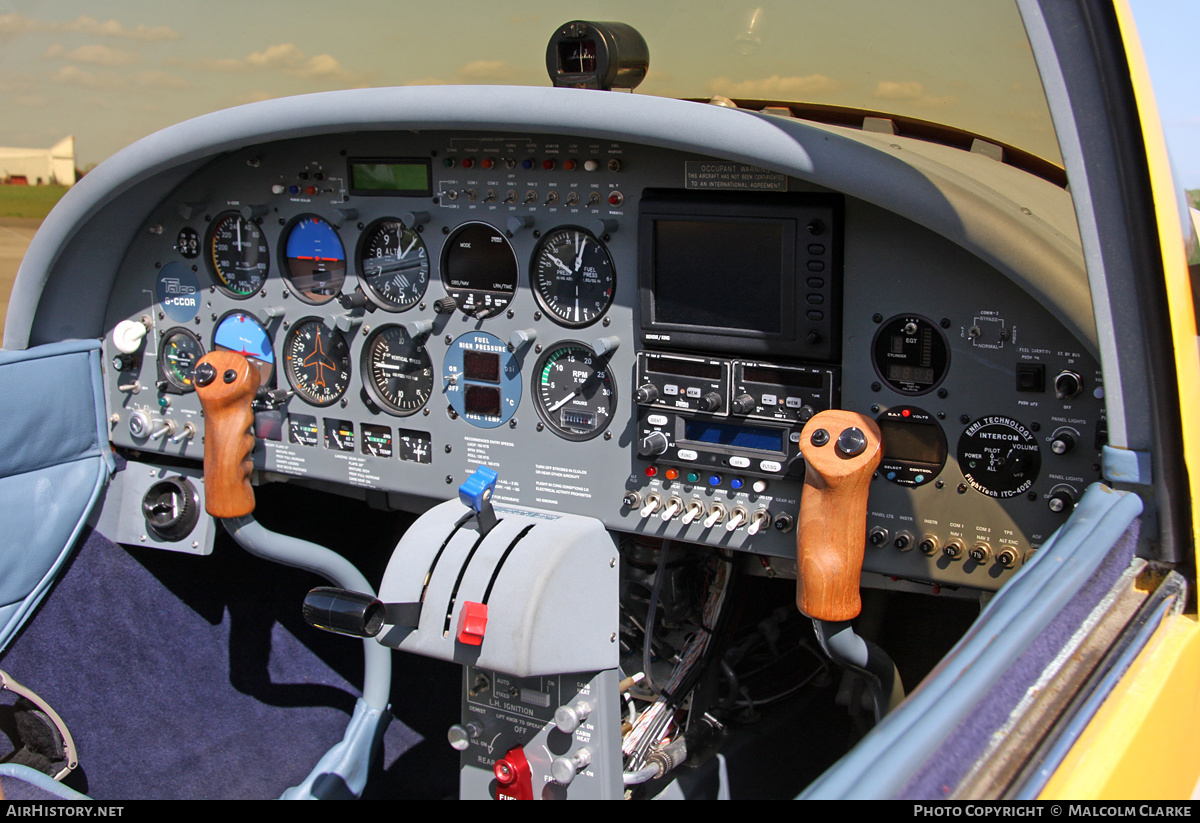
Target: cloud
(111,81)
(910,92)
(95,54)
(477,71)
(12,25)
(289,59)
(32,101)
(775,87)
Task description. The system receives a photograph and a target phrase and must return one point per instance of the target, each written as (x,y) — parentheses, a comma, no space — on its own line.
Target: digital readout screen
(684,368)
(723,434)
(482,400)
(399,177)
(909,374)
(720,274)
(481,365)
(912,442)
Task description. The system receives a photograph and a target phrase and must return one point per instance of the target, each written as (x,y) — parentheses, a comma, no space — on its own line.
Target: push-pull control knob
(652,444)
(568,718)
(460,735)
(564,769)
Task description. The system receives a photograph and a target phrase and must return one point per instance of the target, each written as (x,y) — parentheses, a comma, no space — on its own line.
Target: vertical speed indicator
(574,392)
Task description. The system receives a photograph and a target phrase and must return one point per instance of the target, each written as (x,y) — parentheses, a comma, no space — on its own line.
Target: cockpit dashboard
(631,324)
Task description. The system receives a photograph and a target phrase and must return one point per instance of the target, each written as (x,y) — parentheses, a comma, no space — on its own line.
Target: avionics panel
(748,274)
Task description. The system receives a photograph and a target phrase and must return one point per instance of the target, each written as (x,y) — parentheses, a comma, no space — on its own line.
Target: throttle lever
(226,383)
(842,450)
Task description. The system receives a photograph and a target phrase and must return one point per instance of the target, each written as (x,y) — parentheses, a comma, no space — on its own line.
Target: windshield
(111,79)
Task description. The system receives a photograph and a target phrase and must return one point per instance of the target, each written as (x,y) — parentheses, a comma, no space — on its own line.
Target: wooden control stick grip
(226,383)
(842,450)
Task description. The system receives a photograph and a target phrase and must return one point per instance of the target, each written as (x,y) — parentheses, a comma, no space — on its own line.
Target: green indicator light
(692,477)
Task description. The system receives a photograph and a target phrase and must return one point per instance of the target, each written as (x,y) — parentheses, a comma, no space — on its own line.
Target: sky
(113,71)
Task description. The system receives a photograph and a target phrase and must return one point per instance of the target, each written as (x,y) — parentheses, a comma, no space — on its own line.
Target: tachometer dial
(999,457)
(316,360)
(177,356)
(237,254)
(313,259)
(573,276)
(573,391)
(479,269)
(394,264)
(397,371)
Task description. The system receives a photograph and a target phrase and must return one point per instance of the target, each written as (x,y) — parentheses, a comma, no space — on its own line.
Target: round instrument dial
(574,391)
(397,371)
(313,259)
(237,254)
(177,356)
(479,269)
(910,354)
(999,457)
(573,276)
(238,331)
(394,264)
(316,360)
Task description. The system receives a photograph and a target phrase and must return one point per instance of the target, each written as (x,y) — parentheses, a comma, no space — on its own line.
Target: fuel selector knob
(653,444)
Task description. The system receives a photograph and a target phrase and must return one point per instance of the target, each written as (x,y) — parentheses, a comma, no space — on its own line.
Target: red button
(472,621)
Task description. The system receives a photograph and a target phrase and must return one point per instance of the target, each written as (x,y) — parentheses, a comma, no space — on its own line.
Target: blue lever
(476,494)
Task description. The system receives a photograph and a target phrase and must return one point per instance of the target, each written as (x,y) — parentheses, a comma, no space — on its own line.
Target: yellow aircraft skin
(1140,744)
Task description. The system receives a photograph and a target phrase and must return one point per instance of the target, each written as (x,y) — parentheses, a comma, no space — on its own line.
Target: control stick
(842,450)
(227,383)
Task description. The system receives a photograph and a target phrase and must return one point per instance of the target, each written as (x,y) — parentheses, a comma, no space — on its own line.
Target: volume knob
(645,394)
(710,402)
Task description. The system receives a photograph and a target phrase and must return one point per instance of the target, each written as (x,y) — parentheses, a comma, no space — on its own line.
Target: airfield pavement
(15,234)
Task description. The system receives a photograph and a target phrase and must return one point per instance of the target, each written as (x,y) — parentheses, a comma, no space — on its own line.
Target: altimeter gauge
(394,264)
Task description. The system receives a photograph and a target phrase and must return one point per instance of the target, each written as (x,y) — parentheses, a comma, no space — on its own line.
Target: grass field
(29,201)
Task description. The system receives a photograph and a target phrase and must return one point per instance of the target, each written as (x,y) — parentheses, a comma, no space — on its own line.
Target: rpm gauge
(574,391)
(572,276)
(316,360)
(237,254)
(394,264)
(397,371)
